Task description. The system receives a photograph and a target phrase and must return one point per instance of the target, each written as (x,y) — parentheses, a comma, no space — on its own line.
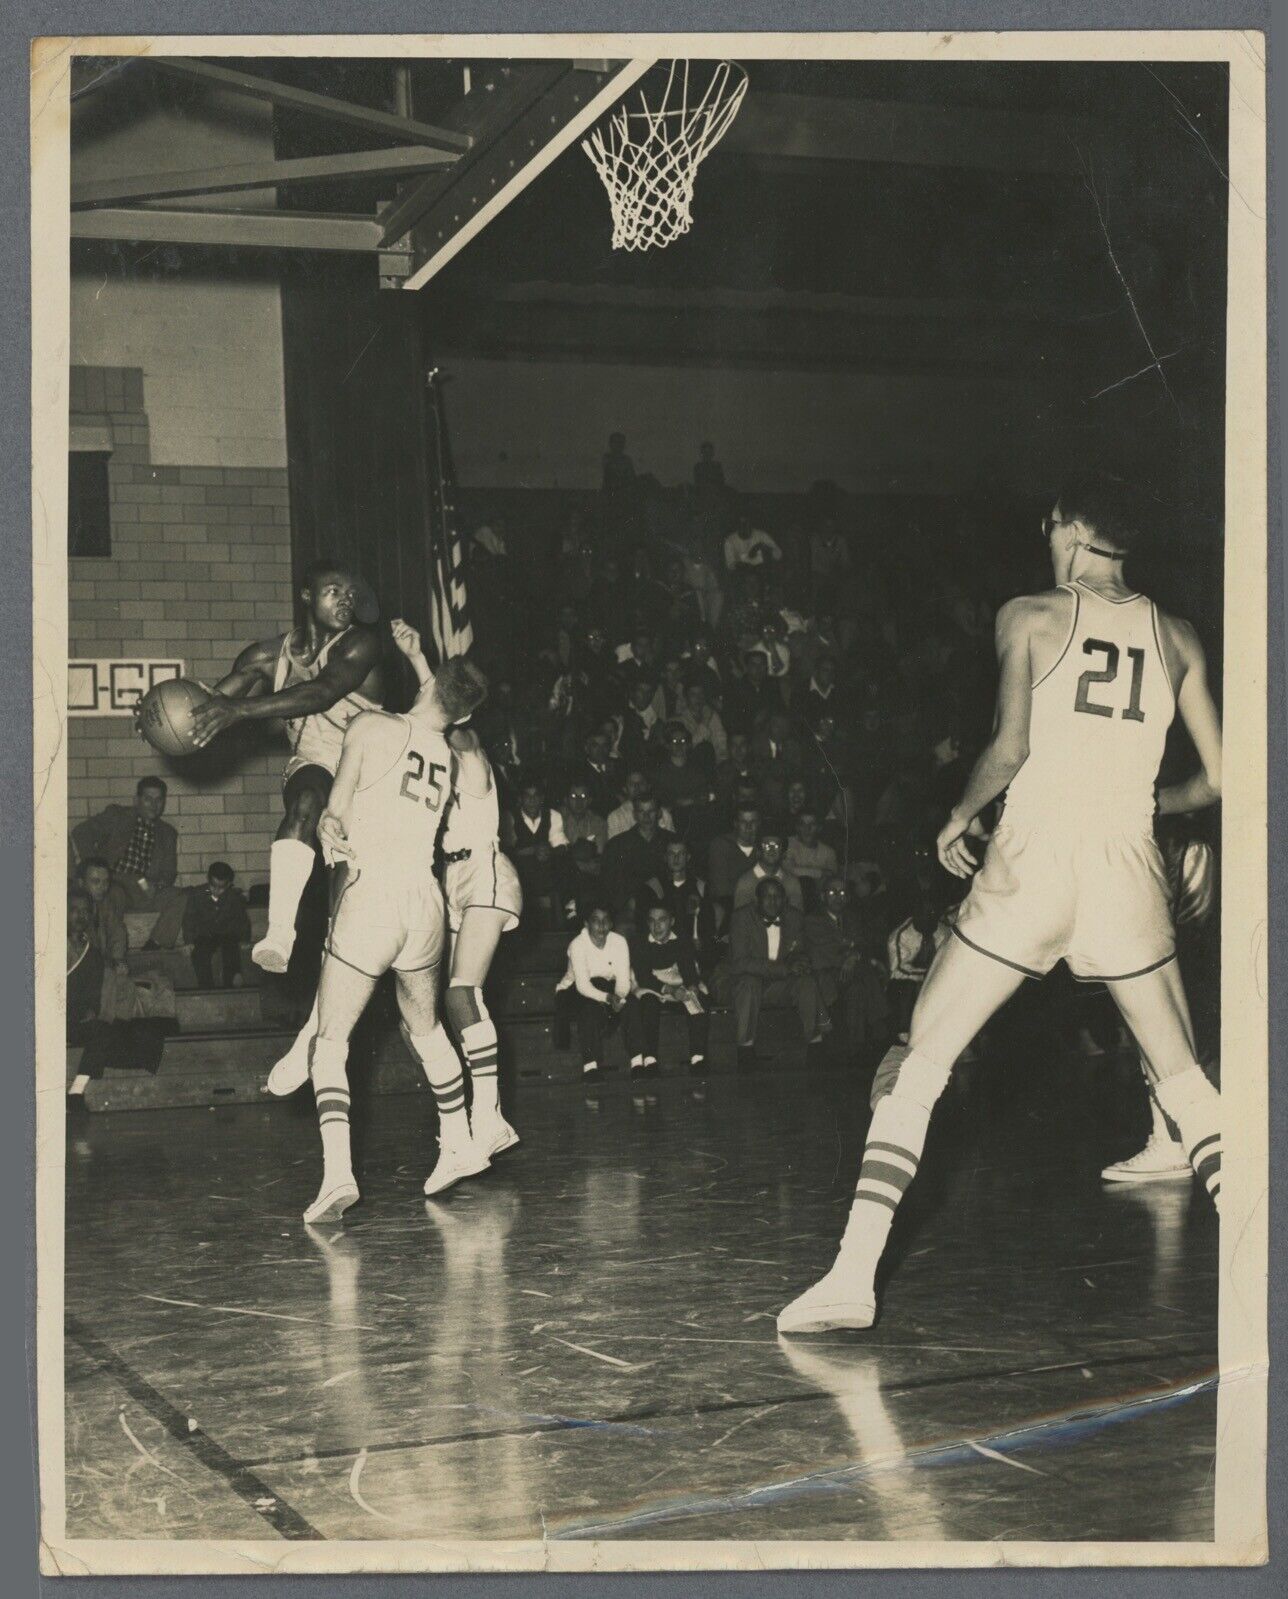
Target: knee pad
(463,1006)
(906,1074)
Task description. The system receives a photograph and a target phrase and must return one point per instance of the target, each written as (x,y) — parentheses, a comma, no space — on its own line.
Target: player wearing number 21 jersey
(1091,674)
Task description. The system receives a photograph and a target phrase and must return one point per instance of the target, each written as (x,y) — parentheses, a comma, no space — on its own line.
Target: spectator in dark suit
(632,858)
(600,774)
(665,968)
(751,697)
(736,769)
(767,960)
(216,923)
(640,722)
(142,852)
(681,783)
(845,956)
(685,896)
(534,839)
(820,695)
(731,855)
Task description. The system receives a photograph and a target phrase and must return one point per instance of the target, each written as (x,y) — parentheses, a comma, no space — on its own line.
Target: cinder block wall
(200,565)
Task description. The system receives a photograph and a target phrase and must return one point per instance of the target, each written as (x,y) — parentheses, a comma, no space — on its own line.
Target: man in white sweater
(599,976)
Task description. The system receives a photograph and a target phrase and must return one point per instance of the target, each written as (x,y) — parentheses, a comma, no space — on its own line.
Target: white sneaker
(332,1203)
(454,1163)
(290,1073)
(1158,1162)
(272,955)
(838,1300)
(493,1135)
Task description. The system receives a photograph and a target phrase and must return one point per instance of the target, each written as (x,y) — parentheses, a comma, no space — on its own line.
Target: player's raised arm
(1202,722)
(407,641)
(1008,749)
(350,663)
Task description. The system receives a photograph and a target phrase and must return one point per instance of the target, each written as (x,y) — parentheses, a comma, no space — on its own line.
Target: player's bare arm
(407,641)
(252,671)
(353,659)
(1187,666)
(1008,749)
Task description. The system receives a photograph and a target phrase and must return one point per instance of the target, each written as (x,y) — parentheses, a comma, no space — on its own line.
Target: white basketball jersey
(1098,722)
(395,817)
(317,739)
(473,821)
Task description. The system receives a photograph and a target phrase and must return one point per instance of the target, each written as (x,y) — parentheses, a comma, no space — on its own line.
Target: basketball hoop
(647,158)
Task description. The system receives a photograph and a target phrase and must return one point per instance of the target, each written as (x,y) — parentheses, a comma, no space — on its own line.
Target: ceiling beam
(370,120)
(900,132)
(405,160)
(521,169)
(259,230)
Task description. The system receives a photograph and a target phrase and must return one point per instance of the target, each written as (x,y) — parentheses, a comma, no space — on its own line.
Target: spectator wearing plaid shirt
(142,852)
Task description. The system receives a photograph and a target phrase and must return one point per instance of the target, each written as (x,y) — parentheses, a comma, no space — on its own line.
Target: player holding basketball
(381,827)
(1092,675)
(317,679)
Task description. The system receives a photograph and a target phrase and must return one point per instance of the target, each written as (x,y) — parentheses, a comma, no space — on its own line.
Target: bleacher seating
(229,1038)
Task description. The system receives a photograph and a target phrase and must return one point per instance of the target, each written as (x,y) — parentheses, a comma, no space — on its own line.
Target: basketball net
(648,157)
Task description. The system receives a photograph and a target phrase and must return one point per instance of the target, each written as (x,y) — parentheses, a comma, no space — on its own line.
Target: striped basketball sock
(327,1058)
(442,1067)
(479,1043)
(1191,1102)
(896,1138)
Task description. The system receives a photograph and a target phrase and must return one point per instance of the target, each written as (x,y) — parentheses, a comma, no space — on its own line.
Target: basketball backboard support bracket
(478,187)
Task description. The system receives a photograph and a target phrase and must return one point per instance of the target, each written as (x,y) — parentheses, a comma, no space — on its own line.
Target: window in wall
(89,516)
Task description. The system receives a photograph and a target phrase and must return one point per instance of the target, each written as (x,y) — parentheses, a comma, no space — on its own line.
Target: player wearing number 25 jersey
(387,905)
(1073,871)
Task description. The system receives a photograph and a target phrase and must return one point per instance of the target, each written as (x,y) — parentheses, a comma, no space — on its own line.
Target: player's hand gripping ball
(164,715)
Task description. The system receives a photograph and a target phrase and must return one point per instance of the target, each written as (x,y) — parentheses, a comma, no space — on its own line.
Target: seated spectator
(586,835)
(809,859)
(603,691)
(624,816)
(819,697)
(749,699)
(911,949)
(640,720)
(142,852)
(636,658)
(685,896)
(598,773)
(648,600)
(535,841)
(668,702)
(735,769)
(843,952)
(768,960)
(702,720)
(123,998)
(683,615)
(103,1041)
(631,858)
(700,575)
(829,559)
(749,546)
(665,969)
(682,784)
(796,803)
(770,644)
(508,736)
(598,984)
(768,863)
(730,856)
(700,665)
(216,923)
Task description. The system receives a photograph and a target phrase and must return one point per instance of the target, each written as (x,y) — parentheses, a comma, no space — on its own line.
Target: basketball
(165,715)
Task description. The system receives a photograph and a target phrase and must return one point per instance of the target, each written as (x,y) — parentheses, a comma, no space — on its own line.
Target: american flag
(448,603)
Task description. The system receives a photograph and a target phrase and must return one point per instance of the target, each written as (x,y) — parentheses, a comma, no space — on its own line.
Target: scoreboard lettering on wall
(114,688)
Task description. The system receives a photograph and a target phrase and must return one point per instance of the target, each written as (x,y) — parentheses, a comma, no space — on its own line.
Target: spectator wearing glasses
(768,863)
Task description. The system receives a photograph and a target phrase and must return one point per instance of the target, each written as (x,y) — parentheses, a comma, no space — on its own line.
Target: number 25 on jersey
(415,781)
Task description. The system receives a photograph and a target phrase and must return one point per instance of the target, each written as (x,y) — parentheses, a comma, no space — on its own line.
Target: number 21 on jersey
(415,781)
(1092,677)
